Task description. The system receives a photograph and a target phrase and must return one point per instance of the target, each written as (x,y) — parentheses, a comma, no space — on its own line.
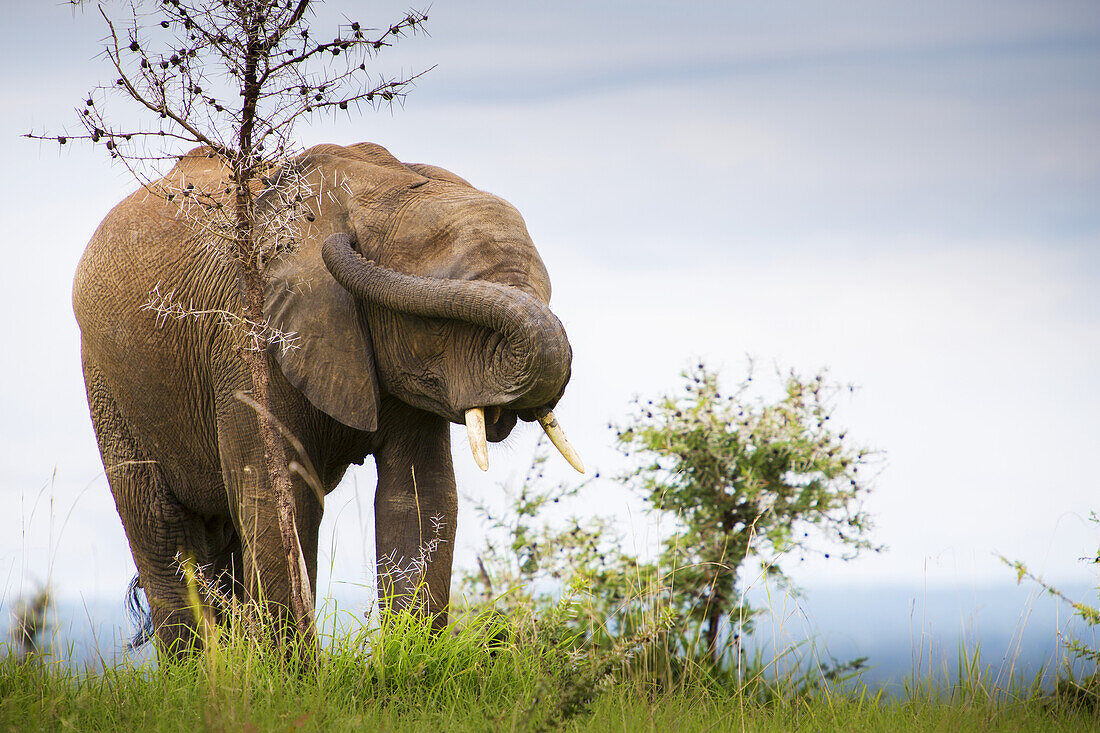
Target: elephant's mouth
(499,422)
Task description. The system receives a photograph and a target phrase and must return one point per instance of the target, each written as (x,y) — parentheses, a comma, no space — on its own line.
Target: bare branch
(412,21)
(161,109)
(292,21)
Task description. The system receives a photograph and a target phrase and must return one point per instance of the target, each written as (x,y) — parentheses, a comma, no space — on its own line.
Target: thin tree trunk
(278,472)
(251,280)
(714,618)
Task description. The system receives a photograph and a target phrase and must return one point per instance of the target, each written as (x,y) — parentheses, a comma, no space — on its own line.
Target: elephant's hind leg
(158,528)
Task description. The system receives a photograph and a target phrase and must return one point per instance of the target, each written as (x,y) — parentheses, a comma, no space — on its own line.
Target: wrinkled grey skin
(381,369)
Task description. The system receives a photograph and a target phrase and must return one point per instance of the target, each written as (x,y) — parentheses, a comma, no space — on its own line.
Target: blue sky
(904,192)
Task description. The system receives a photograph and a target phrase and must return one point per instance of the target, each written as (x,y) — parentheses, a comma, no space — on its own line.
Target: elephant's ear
(438,174)
(331,362)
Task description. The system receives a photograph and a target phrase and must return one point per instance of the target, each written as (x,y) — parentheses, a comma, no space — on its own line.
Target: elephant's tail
(139,613)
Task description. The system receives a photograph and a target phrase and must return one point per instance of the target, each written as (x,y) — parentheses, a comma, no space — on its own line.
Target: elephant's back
(147,248)
(120,260)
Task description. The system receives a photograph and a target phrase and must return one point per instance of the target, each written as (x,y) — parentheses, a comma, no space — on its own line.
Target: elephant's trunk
(538,356)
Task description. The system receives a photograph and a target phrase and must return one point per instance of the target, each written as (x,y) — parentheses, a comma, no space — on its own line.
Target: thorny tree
(234,76)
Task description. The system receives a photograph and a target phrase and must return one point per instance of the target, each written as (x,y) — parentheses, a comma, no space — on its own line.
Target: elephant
(416,301)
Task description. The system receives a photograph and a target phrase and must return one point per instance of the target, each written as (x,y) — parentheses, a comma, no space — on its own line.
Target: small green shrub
(737,477)
(1074,688)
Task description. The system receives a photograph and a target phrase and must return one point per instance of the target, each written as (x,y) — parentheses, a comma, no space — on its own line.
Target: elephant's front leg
(416,511)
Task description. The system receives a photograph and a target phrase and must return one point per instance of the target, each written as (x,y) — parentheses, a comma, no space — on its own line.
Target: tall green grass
(491,671)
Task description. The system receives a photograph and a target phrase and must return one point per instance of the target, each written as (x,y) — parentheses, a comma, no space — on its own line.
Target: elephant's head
(408,280)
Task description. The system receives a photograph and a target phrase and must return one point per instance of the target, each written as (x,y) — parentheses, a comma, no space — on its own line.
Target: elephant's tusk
(475,430)
(550,424)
